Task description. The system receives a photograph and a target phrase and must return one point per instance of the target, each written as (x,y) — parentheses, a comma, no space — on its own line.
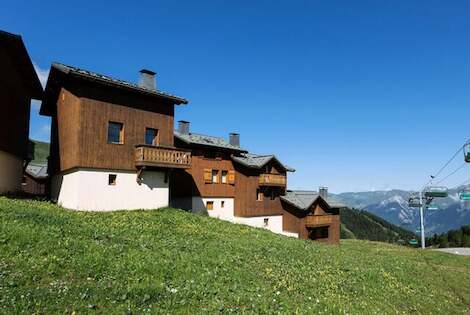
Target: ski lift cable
(461,184)
(452,173)
(444,167)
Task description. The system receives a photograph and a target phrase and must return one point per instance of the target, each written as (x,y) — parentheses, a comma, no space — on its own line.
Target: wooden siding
(247,184)
(199,164)
(14,110)
(80,126)
(297,221)
(33,186)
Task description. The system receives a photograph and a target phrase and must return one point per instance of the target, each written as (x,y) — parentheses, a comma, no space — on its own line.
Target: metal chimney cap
(146,71)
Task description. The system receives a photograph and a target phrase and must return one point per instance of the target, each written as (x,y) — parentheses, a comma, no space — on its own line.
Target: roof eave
(64,69)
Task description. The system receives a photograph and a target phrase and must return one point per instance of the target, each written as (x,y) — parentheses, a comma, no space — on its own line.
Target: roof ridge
(105,77)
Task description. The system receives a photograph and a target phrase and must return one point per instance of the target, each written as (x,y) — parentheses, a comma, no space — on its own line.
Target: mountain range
(392,205)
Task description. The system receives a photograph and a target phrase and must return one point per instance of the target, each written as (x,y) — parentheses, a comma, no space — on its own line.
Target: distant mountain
(393,206)
(367,226)
(41,152)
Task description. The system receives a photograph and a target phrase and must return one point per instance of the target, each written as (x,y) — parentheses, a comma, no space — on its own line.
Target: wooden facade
(191,182)
(81,111)
(18,85)
(320,222)
(249,189)
(33,186)
(245,188)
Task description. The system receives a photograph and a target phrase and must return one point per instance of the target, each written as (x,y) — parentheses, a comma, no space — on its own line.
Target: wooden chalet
(234,185)
(312,215)
(111,140)
(35,180)
(19,84)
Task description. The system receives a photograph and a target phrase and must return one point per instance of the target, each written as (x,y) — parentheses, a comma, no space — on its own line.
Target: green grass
(168,261)
(41,152)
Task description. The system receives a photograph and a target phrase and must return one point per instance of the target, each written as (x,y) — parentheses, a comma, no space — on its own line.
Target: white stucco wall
(274,222)
(11,172)
(88,189)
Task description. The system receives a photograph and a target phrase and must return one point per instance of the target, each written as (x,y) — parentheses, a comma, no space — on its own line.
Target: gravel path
(464,251)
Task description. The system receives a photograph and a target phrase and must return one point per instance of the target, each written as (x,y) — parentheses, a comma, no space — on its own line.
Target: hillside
(392,205)
(41,152)
(169,261)
(366,226)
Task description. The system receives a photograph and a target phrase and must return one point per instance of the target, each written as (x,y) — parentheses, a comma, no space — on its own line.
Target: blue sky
(356,95)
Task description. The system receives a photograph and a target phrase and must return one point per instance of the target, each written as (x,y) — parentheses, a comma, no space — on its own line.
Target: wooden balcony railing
(272,180)
(318,220)
(162,157)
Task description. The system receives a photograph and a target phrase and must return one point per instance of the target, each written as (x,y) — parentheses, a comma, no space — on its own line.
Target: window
(224,177)
(319,233)
(266,222)
(112,179)
(210,205)
(222,204)
(151,136)
(215,176)
(259,195)
(115,133)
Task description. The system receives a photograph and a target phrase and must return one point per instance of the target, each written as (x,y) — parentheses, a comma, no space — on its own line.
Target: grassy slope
(41,152)
(58,261)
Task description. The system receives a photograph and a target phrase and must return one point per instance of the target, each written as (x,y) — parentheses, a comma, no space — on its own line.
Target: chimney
(147,79)
(183,127)
(323,192)
(234,139)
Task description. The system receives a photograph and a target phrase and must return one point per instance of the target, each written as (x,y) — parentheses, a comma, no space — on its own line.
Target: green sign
(465,196)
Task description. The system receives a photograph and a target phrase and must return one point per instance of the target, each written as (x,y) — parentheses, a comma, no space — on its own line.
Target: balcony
(272,180)
(153,156)
(318,220)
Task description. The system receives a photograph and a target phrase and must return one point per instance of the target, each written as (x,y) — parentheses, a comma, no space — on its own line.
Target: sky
(355,95)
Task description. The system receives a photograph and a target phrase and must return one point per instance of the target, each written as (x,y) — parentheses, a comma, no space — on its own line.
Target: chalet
(237,186)
(35,180)
(312,215)
(19,84)
(111,140)
(228,182)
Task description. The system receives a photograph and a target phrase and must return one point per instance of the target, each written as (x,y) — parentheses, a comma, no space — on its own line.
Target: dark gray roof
(303,199)
(37,170)
(115,82)
(198,139)
(258,161)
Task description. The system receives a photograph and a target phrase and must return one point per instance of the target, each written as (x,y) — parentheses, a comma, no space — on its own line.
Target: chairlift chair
(465,194)
(436,192)
(414,202)
(466,151)
(432,207)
